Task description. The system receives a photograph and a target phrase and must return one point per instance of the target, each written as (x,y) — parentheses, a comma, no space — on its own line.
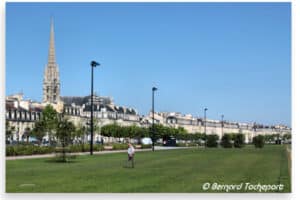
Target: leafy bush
(98,147)
(10,151)
(259,141)
(29,149)
(211,140)
(239,140)
(117,146)
(192,144)
(226,141)
(180,144)
(85,147)
(77,148)
(19,150)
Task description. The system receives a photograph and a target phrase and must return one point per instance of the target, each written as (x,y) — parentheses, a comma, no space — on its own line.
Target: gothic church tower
(51,85)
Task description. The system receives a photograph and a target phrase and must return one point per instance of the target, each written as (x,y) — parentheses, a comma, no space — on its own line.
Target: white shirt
(130,150)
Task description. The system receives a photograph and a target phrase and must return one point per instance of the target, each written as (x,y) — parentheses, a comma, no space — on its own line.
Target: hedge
(85,147)
(191,144)
(117,146)
(19,150)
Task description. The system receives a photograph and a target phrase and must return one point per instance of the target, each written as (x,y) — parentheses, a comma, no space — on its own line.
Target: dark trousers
(131,159)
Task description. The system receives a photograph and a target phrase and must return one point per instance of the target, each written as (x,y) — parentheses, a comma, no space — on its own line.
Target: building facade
(21,115)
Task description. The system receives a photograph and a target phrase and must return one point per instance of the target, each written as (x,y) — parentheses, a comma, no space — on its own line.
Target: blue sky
(233,58)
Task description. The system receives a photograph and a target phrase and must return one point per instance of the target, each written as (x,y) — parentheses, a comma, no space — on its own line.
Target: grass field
(184,170)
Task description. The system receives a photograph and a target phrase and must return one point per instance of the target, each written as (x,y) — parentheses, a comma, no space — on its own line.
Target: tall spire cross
(51,56)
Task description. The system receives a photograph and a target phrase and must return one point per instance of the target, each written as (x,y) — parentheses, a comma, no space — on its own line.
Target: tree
(110,130)
(50,121)
(180,133)
(133,131)
(79,132)
(196,137)
(239,140)
(158,132)
(259,141)
(126,131)
(39,131)
(145,132)
(270,138)
(287,137)
(226,141)
(138,133)
(182,130)
(211,140)
(64,131)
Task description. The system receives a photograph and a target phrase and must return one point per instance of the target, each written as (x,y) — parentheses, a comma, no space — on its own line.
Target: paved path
(95,153)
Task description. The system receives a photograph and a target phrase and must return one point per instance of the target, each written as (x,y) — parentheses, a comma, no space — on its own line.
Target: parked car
(146,141)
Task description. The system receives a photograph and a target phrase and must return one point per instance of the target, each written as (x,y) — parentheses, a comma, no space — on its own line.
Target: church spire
(51,86)
(51,55)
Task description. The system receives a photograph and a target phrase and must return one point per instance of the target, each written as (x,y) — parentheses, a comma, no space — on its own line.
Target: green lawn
(182,170)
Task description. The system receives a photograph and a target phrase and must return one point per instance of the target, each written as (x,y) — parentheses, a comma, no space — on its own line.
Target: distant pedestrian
(131,152)
(102,141)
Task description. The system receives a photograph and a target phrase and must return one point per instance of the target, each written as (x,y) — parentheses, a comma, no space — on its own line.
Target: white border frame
(295,117)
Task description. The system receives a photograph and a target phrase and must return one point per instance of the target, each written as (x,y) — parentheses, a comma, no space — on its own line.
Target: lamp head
(154,89)
(94,63)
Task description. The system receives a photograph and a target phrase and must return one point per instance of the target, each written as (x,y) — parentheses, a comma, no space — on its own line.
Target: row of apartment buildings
(22,114)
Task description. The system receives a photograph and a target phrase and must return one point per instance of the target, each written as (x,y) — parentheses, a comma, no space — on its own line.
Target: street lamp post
(153,132)
(205,109)
(222,116)
(93,64)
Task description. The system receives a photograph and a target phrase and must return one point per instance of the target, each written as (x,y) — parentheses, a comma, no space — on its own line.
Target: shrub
(98,147)
(259,141)
(211,140)
(77,148)
(10,151)
(85,148)
(146,146)
(27,150)
(226,141)
(117,146)
(239,140)
(192,144)
(180,144)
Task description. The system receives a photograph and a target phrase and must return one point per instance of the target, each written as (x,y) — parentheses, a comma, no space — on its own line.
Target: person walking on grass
(130,152)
